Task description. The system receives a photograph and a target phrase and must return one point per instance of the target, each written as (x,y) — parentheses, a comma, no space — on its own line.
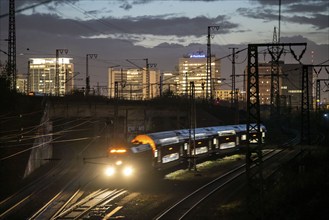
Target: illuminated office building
(290,84)
(42,76)
(193,67)
(291,87)
(132,84)
(21,83)
(169,83)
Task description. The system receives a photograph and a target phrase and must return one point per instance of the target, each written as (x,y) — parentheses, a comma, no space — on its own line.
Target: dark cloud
(316,7)
(156,25)
(53,24)
(168,45)
(303,12)
(180,26)
(258,13)
(287,2)
(319,21)
(126,6)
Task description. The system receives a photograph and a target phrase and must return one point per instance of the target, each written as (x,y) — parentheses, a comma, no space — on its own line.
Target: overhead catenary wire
(56,140)
(59,133)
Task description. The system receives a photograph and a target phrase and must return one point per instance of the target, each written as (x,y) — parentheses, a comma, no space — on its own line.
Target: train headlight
(118,163)
(110,171)
(127,171)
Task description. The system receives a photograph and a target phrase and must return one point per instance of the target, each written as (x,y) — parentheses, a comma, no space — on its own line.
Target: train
(168,149)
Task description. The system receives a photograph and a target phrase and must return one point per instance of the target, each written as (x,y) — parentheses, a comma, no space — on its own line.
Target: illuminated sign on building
(197,56)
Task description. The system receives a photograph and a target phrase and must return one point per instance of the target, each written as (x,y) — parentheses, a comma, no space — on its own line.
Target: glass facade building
(42,76)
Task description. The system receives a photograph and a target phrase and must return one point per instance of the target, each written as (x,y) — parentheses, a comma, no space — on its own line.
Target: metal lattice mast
(254,157)
(208,69)
(305,105)
(233,95)
(274,74)
(318,93)
(305,108)
(254,148)
(12,45)
(253,111)
(147,79)
(208,62)
(57,75)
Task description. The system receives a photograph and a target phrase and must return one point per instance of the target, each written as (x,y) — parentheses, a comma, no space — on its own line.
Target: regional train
(167,149)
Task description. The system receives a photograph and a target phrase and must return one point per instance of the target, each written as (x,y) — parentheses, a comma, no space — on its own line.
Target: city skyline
(162,31)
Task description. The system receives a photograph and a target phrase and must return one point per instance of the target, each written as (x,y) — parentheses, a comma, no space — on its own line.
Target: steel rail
(97,199)
(189,202)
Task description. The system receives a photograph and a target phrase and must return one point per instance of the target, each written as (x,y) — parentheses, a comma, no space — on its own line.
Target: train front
(120,163)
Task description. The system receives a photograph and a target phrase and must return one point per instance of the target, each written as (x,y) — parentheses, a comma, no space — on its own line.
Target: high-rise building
(42,76)
(290,84)
(291,87)
(193,67)
(21,83)
(132,84)
(169,83)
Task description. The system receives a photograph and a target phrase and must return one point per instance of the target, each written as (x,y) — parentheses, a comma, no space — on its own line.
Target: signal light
(118,151)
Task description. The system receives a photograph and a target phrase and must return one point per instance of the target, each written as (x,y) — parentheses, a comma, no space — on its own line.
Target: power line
(26,8)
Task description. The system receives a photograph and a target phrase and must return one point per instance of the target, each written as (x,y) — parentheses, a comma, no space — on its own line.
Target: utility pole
(57,78)
(192,149)
(12,46)
(209,75)
(275,74)
(91,56)
(161,83)
(233,99)
(254,156)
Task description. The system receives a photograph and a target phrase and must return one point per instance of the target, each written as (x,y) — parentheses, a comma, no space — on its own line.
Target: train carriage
(162,150)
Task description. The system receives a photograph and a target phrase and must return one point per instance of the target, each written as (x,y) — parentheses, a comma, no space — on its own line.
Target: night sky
(161,31)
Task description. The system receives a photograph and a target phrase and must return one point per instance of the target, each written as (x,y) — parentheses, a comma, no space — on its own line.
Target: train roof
(163,138)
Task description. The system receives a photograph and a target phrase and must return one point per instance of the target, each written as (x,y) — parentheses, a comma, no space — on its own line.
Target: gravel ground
(156,194)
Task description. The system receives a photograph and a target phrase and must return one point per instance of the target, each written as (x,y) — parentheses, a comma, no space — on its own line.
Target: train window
(170,140)
(227,145)
(185,146)
(237,140)
(226,133)
(214,141)
(243,137)
(170,157)
(200,150)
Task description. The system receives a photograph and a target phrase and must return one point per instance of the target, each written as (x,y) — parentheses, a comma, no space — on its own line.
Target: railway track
(182,208)
(19,199)
(97,204)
